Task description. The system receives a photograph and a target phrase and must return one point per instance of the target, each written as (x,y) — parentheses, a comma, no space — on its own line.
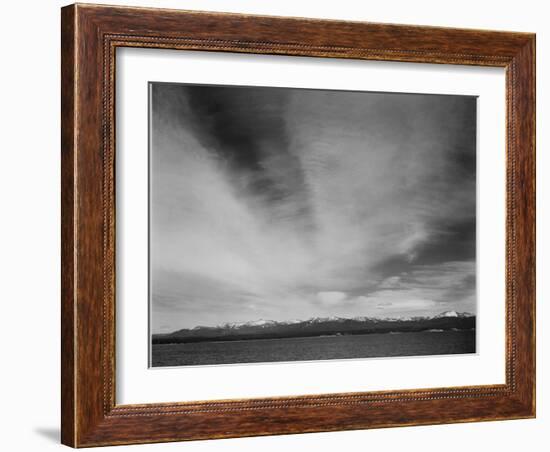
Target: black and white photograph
(291,224)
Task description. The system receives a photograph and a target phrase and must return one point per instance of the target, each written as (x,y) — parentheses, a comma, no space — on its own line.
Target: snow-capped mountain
(453,314)
(320,320)
(259,322)
(321,326)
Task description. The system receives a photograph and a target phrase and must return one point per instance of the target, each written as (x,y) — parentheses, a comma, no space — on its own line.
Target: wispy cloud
(273,203)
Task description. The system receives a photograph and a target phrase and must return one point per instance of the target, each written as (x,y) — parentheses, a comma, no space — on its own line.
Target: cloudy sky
(275,203)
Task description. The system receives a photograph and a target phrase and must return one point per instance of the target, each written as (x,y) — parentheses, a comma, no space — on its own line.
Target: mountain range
(319,326)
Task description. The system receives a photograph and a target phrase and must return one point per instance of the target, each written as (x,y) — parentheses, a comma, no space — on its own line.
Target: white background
(29,393)
(137,384)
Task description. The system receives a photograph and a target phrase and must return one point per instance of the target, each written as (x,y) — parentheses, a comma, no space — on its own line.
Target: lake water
(314,348)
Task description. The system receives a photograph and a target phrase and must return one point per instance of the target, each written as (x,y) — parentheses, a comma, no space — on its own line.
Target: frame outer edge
(68,230)
(525,62)
(534,226)
(86,419)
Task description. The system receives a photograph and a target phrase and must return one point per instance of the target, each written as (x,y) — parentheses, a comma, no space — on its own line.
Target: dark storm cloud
(238,123)
(456,241)
(287,203)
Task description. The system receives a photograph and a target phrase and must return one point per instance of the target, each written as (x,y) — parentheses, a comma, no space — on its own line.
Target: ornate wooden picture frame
(90,36)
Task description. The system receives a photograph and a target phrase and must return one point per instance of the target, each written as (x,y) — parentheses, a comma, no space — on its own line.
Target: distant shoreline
(217,341)
(323,328)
